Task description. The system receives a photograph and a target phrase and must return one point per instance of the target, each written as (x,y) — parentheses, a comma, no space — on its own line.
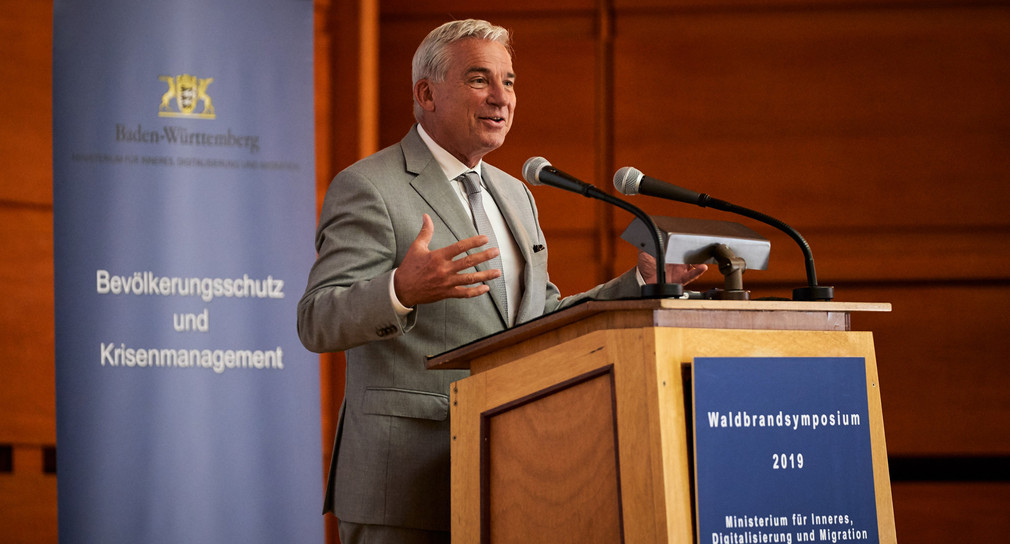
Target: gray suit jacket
(391,458)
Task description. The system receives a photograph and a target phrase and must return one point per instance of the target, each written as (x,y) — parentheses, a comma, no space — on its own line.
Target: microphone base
(727,294)
(662,290)
(814,293)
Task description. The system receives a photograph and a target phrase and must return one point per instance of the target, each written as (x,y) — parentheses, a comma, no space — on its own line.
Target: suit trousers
(357,533)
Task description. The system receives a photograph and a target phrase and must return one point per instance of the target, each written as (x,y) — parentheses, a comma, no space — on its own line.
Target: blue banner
(782,450)
(183,201)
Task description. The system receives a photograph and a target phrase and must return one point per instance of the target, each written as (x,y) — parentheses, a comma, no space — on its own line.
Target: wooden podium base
(579,432)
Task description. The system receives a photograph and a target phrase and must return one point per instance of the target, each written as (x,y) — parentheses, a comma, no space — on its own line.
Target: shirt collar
(451,166)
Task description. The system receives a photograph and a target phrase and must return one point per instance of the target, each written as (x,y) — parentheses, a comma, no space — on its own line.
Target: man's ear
(424,95)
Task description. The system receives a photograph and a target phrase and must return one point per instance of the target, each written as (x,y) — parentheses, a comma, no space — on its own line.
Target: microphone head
(627,180)
(532,168)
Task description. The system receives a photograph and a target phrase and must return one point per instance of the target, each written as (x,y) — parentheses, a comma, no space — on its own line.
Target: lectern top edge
(773,305)
(459,358)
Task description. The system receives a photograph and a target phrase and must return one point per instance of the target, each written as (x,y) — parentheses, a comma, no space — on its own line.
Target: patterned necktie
(471,182)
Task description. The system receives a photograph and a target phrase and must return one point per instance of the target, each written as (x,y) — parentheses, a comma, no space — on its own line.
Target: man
(402,273)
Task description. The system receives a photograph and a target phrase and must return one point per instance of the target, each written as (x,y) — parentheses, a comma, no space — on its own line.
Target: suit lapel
(431,184)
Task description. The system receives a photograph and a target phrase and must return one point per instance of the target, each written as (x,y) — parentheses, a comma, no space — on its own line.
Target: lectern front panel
(542,486)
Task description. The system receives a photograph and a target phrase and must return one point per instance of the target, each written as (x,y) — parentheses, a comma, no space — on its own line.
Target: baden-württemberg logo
(187,90)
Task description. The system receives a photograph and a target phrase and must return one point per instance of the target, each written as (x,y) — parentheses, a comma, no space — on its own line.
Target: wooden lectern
(574,428)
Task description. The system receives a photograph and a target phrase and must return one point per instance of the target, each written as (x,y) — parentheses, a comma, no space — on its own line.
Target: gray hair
(431,60)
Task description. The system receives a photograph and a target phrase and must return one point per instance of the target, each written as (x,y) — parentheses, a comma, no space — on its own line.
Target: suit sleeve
(624,286)
(346,302)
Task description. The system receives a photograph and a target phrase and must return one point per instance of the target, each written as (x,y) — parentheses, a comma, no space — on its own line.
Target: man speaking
(423,247)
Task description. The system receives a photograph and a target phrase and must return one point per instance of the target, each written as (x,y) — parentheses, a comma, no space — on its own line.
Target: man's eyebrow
(486,72)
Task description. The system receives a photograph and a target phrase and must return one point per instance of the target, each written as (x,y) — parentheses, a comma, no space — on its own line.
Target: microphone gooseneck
(538,171)
(630,181)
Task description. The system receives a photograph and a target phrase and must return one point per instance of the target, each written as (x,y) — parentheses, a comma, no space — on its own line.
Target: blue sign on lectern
(782,450)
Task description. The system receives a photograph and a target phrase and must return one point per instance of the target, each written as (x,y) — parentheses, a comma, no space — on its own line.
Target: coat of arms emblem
(188,91)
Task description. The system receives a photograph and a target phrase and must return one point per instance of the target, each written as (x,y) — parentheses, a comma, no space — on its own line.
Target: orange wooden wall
(879,129)
(27,371)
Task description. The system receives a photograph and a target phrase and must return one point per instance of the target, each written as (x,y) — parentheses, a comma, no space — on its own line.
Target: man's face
(470,112)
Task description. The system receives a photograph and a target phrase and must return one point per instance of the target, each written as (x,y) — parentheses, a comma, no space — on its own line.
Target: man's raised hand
(431,275)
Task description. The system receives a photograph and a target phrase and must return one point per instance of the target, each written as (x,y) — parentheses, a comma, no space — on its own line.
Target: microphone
(538,171)
(631,181)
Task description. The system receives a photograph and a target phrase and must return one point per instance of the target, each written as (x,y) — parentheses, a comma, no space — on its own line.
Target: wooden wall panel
(398,38)
(765,5)
(910,255)
(28,508)
(570,261)
(931,513)
(943,374)
(444,10)
(26,108)
(881,134)
(842,118)
(27,396)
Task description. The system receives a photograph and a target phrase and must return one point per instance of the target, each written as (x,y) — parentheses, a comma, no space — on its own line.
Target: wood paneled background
(879,129)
